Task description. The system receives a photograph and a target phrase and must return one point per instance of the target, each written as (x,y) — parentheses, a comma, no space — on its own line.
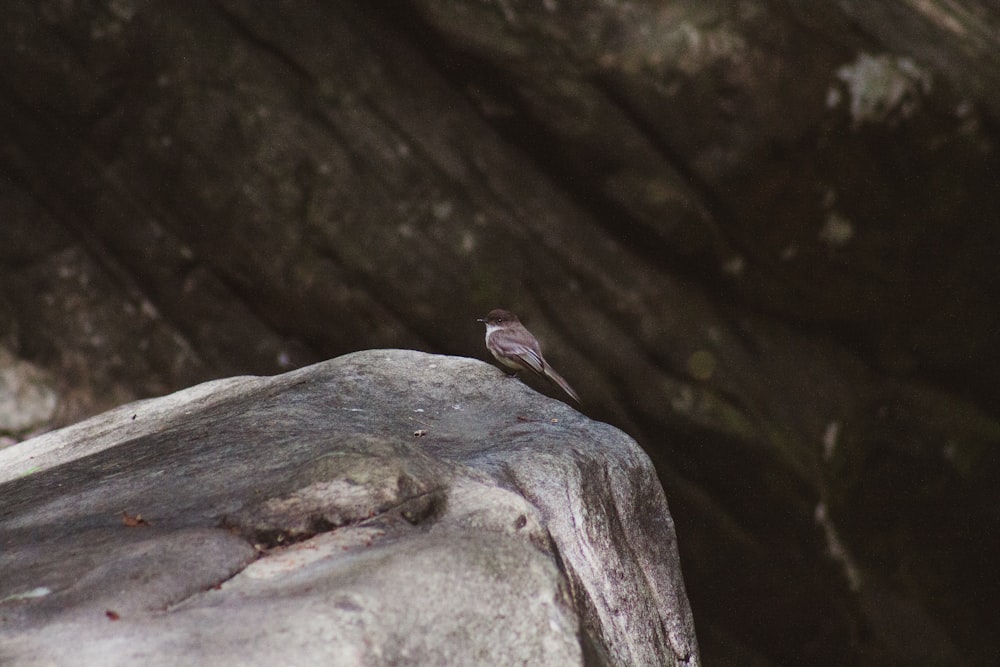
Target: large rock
(386,507)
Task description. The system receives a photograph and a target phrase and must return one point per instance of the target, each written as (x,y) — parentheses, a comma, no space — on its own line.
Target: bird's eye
(499,320)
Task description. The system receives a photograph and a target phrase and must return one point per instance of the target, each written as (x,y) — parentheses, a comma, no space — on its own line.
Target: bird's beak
(481,319)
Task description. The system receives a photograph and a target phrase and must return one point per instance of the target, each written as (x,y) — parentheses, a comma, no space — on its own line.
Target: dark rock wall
(759,236)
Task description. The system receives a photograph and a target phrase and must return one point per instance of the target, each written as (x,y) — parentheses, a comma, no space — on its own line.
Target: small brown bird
(515,347)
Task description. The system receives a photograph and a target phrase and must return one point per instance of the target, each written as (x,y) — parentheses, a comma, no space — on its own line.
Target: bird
(515,347)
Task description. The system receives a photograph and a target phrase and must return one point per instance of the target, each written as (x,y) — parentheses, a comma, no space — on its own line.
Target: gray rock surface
(27,399)
(385,507)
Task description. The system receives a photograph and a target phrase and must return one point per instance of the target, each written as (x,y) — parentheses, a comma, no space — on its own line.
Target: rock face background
(759,236)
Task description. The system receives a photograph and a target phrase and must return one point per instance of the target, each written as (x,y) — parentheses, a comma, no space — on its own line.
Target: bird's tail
(558,379)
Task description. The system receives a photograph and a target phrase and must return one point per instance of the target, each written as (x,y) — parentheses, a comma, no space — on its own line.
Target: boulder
(385,507)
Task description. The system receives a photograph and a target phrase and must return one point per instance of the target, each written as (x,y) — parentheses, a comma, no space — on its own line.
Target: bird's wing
(529,356)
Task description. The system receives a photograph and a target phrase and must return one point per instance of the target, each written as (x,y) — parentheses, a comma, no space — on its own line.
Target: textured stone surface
(27,399)
(387,507)
(758,236)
